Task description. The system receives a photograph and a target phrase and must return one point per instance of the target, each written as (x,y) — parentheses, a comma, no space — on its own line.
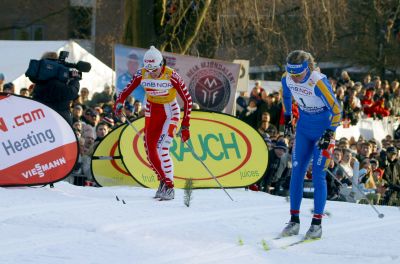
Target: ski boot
(315,232)
(291,229)
(159,190)
(168,193)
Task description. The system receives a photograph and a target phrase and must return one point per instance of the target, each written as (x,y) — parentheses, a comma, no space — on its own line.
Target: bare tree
(352,31)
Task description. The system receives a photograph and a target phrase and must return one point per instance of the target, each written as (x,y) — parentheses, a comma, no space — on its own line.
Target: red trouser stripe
(294,212)
(318,216)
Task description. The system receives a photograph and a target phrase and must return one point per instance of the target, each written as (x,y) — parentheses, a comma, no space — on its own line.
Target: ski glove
(326,139)
(288,132)
(185,133)
(118,108)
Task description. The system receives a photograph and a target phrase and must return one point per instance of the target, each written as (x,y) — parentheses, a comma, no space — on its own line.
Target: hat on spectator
(391,150)
(373,161)
(78,106)
(2,76)
(91,112)
(380,172)
(281,145)
(108,120)
(7,86)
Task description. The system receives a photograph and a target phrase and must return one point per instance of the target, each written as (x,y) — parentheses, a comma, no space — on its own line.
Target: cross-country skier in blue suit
(320,115)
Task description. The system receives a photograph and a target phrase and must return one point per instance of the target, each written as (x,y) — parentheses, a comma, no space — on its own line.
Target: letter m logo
(210,84)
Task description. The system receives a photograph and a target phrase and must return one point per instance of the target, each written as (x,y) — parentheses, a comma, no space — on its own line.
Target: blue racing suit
(319,110)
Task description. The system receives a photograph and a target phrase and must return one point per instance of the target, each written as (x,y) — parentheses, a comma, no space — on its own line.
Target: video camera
(46,69)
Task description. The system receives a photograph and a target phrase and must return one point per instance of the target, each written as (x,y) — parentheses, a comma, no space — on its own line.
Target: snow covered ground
(70,224)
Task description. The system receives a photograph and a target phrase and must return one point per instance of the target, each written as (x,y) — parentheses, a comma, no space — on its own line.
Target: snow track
(70,224)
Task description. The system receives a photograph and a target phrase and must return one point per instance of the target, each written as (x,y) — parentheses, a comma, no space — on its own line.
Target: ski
(119,200)
(302,241)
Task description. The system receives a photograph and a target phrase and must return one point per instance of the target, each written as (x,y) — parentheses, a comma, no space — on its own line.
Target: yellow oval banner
(233,151)
(107,167)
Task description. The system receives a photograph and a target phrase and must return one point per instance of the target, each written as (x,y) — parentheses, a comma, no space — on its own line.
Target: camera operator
(55,93)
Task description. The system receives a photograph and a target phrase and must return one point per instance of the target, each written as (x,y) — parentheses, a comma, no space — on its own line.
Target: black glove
(288,132)
(325,139)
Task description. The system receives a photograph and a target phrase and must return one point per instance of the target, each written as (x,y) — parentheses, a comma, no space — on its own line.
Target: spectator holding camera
(55,93)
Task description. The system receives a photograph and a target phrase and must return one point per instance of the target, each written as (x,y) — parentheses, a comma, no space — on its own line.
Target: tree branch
(189,42)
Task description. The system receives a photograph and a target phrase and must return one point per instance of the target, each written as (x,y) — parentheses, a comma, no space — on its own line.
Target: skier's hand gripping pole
(180,134)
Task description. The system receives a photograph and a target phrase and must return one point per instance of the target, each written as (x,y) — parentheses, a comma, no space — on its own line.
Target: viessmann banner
(234,152)
(37,146)
(212,83)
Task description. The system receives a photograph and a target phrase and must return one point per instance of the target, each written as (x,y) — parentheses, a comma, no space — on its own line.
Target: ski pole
(380,215)
(130,123)
(205,166)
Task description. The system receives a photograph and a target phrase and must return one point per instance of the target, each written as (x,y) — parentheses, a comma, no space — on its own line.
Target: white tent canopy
(15,57)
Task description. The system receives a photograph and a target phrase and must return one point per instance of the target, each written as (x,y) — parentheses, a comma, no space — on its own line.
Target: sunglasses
(152,69)
(296,75)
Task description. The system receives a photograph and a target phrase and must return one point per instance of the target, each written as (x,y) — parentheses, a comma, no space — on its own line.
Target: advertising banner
(37,146)
(232,150)
(212,83)
(243,81)
(107,167)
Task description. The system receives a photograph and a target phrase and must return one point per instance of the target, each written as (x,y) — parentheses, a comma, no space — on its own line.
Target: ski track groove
(189,219)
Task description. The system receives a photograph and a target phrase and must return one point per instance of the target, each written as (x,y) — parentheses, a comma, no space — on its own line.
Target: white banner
(212,83)
(243,81)
(368,128)
(36,144)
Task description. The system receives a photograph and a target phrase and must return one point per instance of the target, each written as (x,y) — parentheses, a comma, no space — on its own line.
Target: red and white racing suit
(161,116)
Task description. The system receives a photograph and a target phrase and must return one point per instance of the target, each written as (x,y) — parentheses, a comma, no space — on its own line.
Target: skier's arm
(324,91)
(183,92)
(136,79)
(287,97)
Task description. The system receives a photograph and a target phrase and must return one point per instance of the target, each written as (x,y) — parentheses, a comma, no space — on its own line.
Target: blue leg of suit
(305,148)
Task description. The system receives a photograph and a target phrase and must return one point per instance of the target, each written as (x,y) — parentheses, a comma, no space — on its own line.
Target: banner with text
(37,146)
(232,150)
(211,83)
(107,167)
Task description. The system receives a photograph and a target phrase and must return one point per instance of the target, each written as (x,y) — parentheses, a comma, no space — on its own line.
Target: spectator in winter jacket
(277,163)
(241,102)
(256,92)
(392,177)
(106,96)
(249,115)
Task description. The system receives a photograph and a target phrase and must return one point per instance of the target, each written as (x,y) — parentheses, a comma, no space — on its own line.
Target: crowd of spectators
(359,164)
(360,168)
(93,119)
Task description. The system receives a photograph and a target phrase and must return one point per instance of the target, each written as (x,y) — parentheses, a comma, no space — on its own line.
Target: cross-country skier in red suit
(161,84)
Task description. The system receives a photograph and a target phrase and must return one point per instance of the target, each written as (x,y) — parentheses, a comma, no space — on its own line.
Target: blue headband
(296,68)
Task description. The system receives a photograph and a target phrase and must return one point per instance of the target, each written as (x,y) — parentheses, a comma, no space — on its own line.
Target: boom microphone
(81,66)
